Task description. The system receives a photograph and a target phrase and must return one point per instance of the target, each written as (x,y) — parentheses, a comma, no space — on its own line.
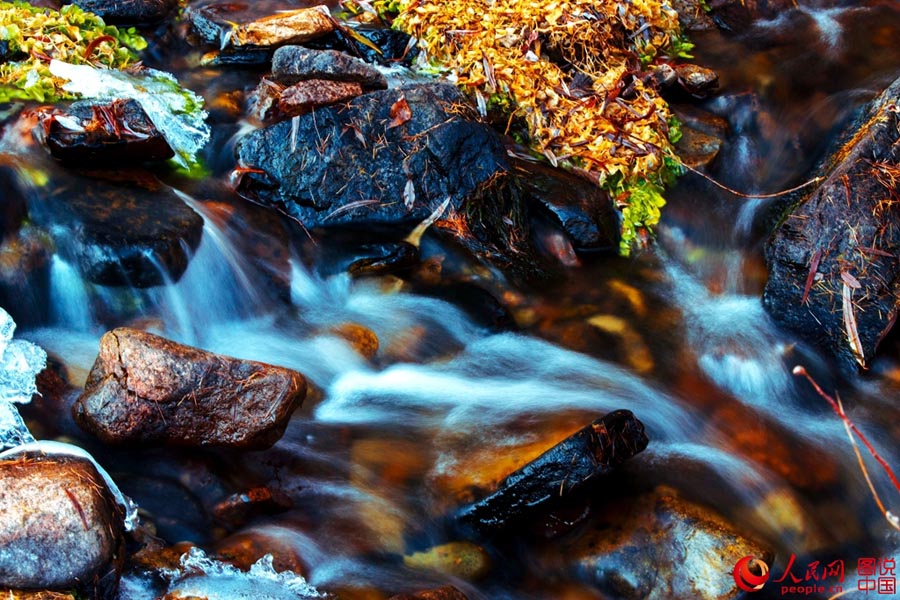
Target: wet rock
(129,12)
(169,510)
(448,592)
(292,64)
(384,259)
(43,595)
(570,466)
(701,120)
(697,149)
(692,15)
(59,526)
(316,176)
(660,546)
(246,547)
(361,338)
(585,212)
(393,45)
(213,25)
(697,81)
(136,232)
(235,510)
(458,559)
(25,275)
(833,268)
(738,15)
(95,134)
(144,388)
(12,207)
(302,97)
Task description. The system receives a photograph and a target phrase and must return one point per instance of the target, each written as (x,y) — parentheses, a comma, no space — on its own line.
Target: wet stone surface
(129,12)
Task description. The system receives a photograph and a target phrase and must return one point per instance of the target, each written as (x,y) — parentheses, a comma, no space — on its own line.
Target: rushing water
(385,448)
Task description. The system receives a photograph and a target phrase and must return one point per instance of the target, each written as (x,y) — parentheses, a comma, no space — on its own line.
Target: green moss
(34,35)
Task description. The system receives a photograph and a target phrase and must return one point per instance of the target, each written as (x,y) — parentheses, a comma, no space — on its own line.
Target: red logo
(746,579)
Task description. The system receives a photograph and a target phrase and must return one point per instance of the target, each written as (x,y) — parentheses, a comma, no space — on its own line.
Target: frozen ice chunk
(13,431)
(20,362)
(175,111)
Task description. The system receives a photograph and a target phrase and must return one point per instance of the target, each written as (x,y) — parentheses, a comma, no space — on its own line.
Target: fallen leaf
(850,326)
(409,194)
(850,280)
(400,113)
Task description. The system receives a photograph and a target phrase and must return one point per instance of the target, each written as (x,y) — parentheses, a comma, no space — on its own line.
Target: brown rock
(27,595)
(243,549)
(25,275)
(696,80)
(737,15)
(660,546)
(144,388)
(697,149)
(303,96)
(361,338)
(447,592)
(237,509)
(692,15)
(289,27)
(59,526)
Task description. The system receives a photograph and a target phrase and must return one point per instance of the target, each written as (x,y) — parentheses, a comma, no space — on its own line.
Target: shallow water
(386,448)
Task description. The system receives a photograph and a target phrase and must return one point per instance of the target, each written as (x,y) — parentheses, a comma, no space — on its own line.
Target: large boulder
(145,388)
(59,525)
(834,274)
(134,231)
(391,156)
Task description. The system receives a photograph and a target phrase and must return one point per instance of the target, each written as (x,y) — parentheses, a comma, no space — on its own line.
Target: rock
(292,64)
(448,592)
(43,595)
(457,559)
(219,25)
(834,275)
(738,15)
(660,546)
(570,466)
(246,547)
(132,232)
(384,259)
(59,526)
(585,212)
(393,45)
(697,81)
(325,174)
(235,510)
(12,206)
(361,338)
(95,134)
(303,96)
(701,120)
(697,149)
(144,388)
(129,12)
(692,15)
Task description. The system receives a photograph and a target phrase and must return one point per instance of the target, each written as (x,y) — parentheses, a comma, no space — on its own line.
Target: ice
(204,577)
(20,362)
(175,111)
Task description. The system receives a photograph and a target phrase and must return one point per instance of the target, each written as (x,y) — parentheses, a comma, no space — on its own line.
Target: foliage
(30,37)
(573,72)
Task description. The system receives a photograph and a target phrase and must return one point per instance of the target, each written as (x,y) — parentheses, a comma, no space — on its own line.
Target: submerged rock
(448,592)
(833,260)
(570,466)
(738,15)
(129,12)
(59,526)
(145,388)
(25,275)
(132,232)
(660,546)
(96,134)
(458,559)
(391,156)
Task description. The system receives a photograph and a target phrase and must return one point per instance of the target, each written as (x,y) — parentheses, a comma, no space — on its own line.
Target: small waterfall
(70,300)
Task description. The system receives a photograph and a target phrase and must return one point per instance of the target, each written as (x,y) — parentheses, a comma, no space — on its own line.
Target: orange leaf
(400,113)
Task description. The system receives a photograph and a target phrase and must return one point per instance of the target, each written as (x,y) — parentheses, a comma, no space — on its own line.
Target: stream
(383,449)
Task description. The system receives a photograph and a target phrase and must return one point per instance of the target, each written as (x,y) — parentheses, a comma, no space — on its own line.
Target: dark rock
(243,56)
(144,388)
(12,205)
(697,149)
(119,233)
(697,81)
(25,275)
(660,546)
(302,97)
(393,45)
(384,259)
(129,12)
(359,164)
(448,592)
(244,548)
(568,467)
(291,64)
(97,134)
(169,510)
(59,526)
(235,510)
(692,15)
(833,267)
(738,15)
(585,212)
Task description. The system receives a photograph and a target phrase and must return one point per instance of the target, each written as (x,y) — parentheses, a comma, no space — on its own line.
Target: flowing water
(385,448)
